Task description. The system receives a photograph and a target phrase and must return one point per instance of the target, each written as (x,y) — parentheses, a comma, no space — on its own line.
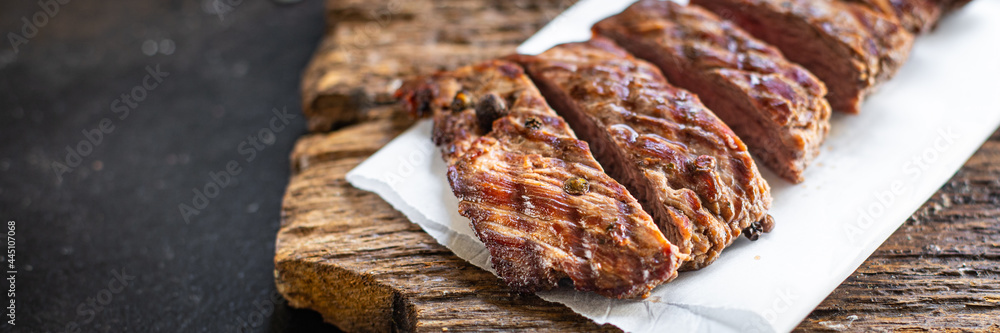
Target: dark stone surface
(118,210)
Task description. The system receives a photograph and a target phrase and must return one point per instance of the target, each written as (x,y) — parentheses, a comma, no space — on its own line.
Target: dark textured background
(119,208)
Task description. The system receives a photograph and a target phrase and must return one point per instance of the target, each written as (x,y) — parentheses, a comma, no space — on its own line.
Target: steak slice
(917,16)
(688,169)
(849,46)
(535,195)
(774,105)
(950,5)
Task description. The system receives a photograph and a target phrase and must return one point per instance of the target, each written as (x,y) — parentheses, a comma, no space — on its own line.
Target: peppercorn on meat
(534,194)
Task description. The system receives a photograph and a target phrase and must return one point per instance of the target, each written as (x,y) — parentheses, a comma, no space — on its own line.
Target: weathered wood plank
(374,43)
(348,255)
(940,270)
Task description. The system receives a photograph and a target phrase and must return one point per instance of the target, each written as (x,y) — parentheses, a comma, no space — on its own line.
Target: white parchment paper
(875,170)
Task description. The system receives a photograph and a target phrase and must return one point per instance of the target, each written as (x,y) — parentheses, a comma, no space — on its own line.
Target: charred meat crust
(534,194)
(849,46)
(775,106)
(688,169)
(949,5)
(917,16)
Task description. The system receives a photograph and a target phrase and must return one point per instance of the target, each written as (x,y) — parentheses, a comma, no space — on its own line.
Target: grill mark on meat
(509,179)
(917,16)
(774,105)
(950,5)
(688,169)
(848,45)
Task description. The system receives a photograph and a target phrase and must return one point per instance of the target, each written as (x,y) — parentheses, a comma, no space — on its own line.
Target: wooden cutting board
(348,255)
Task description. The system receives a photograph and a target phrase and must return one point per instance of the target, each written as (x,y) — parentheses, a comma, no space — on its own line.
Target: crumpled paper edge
(683,317)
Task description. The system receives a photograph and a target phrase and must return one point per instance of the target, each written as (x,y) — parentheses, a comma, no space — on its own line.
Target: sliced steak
(849,46)
(535,195)
(917,16)
(950,5)
(775,106)
(688,169)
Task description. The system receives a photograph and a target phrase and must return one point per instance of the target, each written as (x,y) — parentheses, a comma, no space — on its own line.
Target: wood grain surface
(372,44)
(348,255)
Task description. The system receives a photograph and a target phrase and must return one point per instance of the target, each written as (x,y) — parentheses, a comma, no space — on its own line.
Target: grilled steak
(849,46)
(775,106)
(917,16)
(686,167)
(535,195)
(950,5)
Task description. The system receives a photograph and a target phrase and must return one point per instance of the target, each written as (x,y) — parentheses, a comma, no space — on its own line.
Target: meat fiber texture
(848,45)
(917,16)
(689,170)
(876,169)
(534,194)
(775,106)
